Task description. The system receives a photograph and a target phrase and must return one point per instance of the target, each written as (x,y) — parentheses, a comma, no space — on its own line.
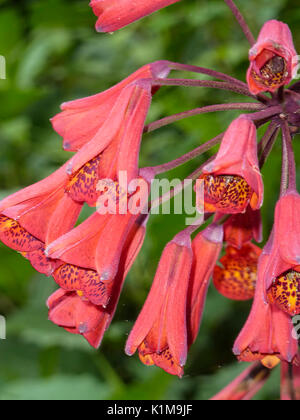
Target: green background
(53,55)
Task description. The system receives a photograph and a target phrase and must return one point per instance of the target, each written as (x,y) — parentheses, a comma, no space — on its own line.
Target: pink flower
(233,180)
(273,59)
(115,14)
(83,119)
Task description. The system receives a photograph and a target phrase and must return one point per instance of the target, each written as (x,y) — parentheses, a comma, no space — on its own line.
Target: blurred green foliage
(53,55)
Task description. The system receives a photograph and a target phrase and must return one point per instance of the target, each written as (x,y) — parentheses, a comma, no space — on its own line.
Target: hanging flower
(115,14)
(233,180)
(273,59)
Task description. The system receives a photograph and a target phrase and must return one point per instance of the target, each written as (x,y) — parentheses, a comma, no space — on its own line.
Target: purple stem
(243,106)
(180,187)
(187,157)
(268,134)
(208,72)
(239,17)
(285,168)
(269,144)
(204,83)
(266,114)
(222,76)
(287,139)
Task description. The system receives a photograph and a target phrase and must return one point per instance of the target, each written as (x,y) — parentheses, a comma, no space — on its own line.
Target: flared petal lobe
(81,120)
(273,59)
(115,14)
(233,180)
(160,332)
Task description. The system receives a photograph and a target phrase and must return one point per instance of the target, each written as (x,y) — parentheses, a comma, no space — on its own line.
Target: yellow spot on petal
(270,362)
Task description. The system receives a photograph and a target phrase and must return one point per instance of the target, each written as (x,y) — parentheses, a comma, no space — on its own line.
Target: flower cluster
(90,262)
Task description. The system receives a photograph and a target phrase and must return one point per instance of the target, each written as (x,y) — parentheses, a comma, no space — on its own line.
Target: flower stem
(179,188)
(287,139)
(239,17)
(222,76)
(208,72)
(242,90)
(267,143)
(285,168)
(266,113)
(187,157)
(243,106)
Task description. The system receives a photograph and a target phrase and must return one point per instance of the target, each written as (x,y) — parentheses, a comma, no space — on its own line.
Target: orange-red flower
(273,58)
(91,254)
(233,180)
(160,332)
(83,119)
(170,319)
(35,216)
(115,14)
(246,385)
(114,149)
(283,271)
(267,334)
(73,312)
(236,278)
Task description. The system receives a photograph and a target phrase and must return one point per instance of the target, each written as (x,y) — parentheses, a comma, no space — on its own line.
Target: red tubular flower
(246,385)
(115,14)
(290,382)
(71,311)
(283,271)
(267,334)
(237,277)
(233,180)
(272,58)
(240,229)
(35,216)
(81,120)
(91,254)
(114,149)
(207,247)
(160,332)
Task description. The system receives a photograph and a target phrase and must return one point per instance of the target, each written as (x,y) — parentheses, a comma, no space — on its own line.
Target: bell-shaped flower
(115,14)
(73,312)
(83,119)
(114,150)
(233,180)
(283,271)
(160,333)
(268,332)
(273,59)
(92,252)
